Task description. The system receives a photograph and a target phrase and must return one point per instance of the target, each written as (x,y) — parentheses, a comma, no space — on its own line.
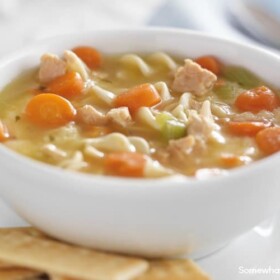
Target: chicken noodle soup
(134,115)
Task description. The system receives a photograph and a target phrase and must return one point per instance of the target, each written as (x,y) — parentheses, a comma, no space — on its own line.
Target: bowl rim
(126,183)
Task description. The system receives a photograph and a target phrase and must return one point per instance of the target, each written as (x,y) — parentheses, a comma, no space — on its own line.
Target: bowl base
(208,252)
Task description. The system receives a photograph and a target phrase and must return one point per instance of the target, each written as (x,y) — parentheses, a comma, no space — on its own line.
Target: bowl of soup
(153,142)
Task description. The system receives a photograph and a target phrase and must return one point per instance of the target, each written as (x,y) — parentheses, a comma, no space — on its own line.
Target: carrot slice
(268,140)
(49,110)
(90,56)
(69,85)
(125,164)
(246,128)
(137,97)
(210,63)
(257,99)
(4,133)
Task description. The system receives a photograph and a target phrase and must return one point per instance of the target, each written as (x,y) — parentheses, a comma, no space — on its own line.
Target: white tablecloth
(22,21)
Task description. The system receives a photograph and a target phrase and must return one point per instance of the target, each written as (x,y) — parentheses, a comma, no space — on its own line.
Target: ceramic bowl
(149,217)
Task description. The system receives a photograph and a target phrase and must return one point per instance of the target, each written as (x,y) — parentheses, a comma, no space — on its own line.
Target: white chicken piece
(193,78)
(181,147)
(51,67)
(90,116)
(202,125)
(201,128)
(120,116)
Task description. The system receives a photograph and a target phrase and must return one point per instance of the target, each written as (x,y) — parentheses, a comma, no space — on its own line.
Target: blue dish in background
(261,18)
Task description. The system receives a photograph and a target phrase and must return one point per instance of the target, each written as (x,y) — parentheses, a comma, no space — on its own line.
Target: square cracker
(27,247)
(18,274)
(56,277)
(5,265)
(165,270)
(173,270)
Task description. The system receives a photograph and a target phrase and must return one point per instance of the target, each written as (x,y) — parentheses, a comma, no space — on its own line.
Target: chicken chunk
(201,129)
(181,147)
(51,67)
(193,78)
(120,116)
(202,125)
(90,116)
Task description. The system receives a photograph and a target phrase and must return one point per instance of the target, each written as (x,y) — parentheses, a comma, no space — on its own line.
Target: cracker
(18,274)
(173,270)
(27,247)
(5,265)
(56,277)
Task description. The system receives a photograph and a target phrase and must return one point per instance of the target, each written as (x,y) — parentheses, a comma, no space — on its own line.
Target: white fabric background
(22,21)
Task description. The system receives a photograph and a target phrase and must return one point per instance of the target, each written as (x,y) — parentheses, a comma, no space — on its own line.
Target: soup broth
(140,115)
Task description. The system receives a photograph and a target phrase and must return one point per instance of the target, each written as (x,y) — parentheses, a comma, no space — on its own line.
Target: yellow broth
(117,77)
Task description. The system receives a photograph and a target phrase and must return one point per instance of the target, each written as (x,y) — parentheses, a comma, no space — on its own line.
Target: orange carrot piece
(246,128)
(4,133)
(231,160)
(49,110)
(90,56)
(257,99)
(69,85)
(137,97)
(210,63)
(125,164)
(268,140)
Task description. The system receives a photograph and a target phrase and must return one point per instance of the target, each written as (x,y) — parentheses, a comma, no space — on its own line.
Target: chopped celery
(225,92)
(243,77)
(173,129)
(162,118)
(170,127)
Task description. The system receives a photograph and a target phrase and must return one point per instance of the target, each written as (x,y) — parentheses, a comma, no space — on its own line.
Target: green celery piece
(173,129)
(242,76)
(225,92)
(162,118)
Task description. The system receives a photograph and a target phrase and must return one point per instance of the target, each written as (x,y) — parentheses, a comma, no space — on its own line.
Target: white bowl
(153,217)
